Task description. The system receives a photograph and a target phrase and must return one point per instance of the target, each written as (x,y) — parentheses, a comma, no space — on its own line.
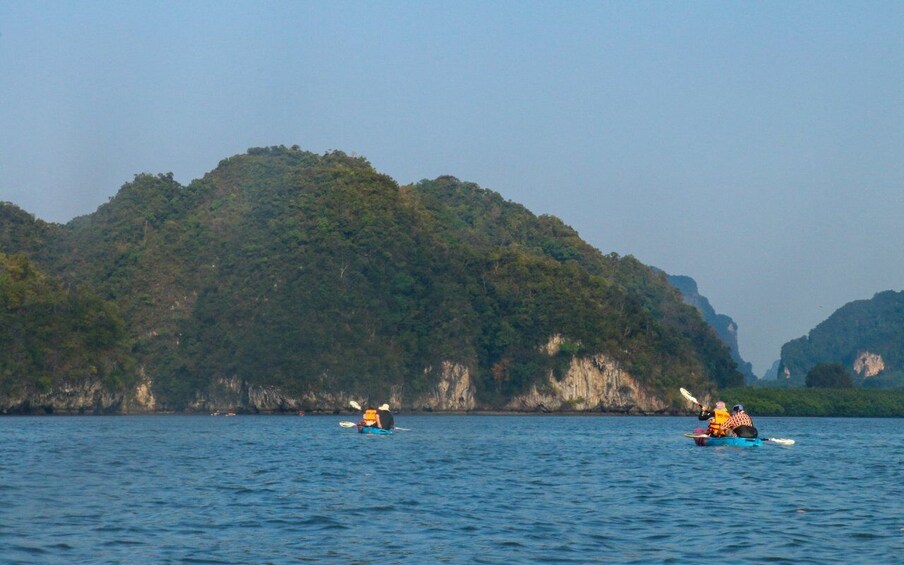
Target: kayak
(702,438)
(373,430)
(705,441)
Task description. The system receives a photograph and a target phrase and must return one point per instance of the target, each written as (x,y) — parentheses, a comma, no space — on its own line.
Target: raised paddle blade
(780,441)
(347,424)
(688,396)
(354,404)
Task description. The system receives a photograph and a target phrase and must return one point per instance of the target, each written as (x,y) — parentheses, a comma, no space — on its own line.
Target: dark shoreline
(403,413)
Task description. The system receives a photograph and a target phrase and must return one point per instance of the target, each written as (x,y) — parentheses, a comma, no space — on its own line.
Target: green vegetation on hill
(874,326)
(829,375)
(21,232)
(723,325)
(817,401)
(52,333)
(315,273)
(638,304)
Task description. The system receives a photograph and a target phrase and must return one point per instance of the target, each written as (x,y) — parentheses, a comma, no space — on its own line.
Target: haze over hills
(285,279)
(724,326)
(866,336)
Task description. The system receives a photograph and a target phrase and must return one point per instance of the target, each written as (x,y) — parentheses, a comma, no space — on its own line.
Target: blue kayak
(373,430)
(705,441)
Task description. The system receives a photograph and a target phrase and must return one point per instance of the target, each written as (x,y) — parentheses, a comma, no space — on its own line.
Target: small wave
(204,560)
(867,535)
(29,549)
(322,522)
(509,543)
(60,546)
(123,543)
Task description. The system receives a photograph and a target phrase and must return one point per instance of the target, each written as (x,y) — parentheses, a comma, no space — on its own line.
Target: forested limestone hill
(314,276)
(53,334)
(867,336)
(724,326)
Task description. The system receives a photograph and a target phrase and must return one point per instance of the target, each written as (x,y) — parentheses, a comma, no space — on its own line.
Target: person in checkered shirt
(739,424)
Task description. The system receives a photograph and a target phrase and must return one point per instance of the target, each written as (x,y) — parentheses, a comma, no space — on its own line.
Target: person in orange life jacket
(369,418)
(379,417)
(385,420)
(739,424)
(716,418)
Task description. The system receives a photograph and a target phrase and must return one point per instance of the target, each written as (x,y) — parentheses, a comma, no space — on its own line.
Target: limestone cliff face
(591,383)
(86,397)
(454,390)
(595,383)
(237,395)
(868,364)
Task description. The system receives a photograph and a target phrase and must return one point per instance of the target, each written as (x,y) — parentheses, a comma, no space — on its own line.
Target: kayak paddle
(354,404)
(780,441)
(347,424)
(688,396)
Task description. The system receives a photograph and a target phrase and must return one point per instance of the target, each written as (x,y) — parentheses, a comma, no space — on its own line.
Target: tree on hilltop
(829,375)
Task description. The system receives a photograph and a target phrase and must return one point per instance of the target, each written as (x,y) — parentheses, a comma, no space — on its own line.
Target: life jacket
(719,418)
(370,417)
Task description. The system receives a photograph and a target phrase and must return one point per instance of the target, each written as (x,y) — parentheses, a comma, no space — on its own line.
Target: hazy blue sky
(757,147)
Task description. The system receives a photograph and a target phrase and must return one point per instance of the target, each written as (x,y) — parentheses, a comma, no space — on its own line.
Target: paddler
(369,418)
(739,424)
(385,421)
(718,416)
(378,417)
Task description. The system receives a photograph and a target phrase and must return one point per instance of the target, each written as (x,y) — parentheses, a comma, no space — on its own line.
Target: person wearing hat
(739,424)
(718,416)
(385,421)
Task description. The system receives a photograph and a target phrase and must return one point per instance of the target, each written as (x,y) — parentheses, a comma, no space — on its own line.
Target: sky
(757,147)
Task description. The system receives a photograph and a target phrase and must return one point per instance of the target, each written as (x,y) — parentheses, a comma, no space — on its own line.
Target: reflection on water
(454,489)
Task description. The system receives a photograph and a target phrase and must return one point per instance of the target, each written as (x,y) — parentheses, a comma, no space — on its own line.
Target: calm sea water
(454,489)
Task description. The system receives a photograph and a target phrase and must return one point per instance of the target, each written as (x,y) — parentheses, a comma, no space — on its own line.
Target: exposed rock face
(144,397)
(237,395)
(84,397)
(592,383)
(453,392)
(553,346)
(87,397)
(868,364)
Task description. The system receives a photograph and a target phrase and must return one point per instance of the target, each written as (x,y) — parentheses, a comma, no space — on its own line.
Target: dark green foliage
(316,273)
(50,333)
(818,402)
(723,325)
(638,305)
(829,375)
(875,326)
(21,232)
(886,379)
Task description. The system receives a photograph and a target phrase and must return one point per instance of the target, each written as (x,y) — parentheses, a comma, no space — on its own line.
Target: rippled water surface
(454,489)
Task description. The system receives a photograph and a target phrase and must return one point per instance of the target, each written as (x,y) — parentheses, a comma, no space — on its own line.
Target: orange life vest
(370,417)
(715,424)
